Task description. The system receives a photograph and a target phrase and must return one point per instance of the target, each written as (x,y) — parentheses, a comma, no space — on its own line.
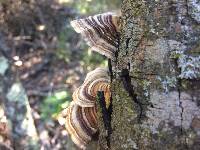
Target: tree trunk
(156,78)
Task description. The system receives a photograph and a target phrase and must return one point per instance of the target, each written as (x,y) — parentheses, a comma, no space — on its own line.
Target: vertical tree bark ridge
(156,79)
(104,117)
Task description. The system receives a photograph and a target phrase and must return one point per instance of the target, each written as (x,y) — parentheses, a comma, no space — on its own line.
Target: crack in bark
(127,42)
(126,79)
(106,115)
(179,85)
(110,70)
(180,102)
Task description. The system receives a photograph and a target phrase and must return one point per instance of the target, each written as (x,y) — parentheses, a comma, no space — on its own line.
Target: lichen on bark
(155,105)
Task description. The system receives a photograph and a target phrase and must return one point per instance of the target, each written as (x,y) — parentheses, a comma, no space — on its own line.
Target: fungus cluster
(96,80)
(80,123)
(100,32)
(80,117)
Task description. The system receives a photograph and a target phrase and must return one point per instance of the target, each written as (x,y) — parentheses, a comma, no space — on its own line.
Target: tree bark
(156,78)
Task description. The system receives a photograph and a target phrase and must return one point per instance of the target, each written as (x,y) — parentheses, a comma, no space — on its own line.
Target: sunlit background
(43,55)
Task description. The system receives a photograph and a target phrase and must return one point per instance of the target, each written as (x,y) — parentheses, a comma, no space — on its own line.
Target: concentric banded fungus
(80,123)
(96,80)
(100,32)
(80,118)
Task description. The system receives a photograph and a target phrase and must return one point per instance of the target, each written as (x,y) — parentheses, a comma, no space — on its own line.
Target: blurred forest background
(42,61)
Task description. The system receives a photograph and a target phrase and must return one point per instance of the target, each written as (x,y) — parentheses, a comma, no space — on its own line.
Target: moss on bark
(156,102)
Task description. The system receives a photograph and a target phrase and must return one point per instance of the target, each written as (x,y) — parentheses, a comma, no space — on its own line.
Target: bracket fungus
(100,32)
(81,123)
(96,80)
(80,118)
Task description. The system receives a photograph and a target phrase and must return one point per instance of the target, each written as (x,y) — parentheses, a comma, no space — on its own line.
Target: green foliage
(93,60)
(93,6)
(175,55)
(64,48)
(53,104)
(67,36)
(85,7)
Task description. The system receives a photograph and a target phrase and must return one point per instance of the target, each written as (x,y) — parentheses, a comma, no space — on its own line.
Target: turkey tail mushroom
(100,32)
(80,118)
(96,80)
(80,123)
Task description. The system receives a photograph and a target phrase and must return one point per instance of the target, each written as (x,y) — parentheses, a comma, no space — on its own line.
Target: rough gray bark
(156,82)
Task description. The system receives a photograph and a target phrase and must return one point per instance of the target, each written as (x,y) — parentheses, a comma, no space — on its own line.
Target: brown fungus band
(96,80)
(80,118)
(80,123)
(100,32)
